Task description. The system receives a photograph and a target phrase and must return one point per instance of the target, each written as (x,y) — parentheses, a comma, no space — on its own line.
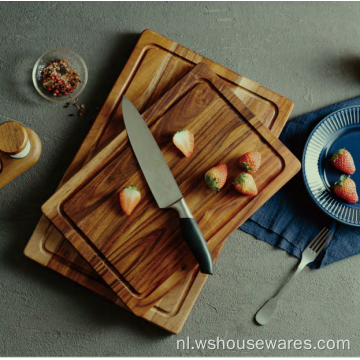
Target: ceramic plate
(339,130)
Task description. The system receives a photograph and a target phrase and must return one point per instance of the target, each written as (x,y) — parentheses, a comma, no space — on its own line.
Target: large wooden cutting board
(143,256)
(148,74)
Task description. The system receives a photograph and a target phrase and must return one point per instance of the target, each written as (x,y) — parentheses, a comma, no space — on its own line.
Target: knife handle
(194,237)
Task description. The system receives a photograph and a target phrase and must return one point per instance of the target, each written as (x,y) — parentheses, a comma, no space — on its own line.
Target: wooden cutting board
(143,256)
(151,69)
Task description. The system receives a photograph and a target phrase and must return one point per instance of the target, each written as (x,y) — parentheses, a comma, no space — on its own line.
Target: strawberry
(216,177)
(250,162)
(129,198)
(184,141)
(343,161)
(245,184)
(346,189)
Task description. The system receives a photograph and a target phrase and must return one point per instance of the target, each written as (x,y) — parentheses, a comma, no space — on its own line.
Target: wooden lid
(13,138)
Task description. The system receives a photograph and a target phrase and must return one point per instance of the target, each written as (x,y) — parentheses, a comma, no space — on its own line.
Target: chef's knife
(162,183)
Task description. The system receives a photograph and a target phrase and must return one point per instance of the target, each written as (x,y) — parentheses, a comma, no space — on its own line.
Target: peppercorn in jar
(59,78)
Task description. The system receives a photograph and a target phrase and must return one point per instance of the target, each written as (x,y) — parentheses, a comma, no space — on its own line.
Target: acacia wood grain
(13,138)
(154,66)
(143,256)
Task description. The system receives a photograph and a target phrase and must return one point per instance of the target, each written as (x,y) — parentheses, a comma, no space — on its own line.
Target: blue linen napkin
(291,219)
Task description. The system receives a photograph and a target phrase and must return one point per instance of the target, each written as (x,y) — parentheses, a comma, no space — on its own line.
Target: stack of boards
(141,262)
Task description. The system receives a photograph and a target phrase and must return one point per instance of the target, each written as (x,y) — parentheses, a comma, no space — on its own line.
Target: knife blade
(162,183)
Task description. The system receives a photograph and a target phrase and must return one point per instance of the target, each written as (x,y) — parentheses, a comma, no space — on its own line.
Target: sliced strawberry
(184,141)
(129,198)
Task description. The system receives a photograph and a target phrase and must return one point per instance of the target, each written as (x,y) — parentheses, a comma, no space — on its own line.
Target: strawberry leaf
(179,131)
(241,179)
(212,183)
(337,154)
(132,187)
(246,166)
(341,181)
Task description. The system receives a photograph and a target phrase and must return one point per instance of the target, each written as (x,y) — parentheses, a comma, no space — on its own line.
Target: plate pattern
(317,185)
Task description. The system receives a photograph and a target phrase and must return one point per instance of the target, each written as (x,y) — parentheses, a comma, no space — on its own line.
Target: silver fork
(309,255)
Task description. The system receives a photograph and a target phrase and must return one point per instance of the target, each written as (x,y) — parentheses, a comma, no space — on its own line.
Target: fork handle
(263,316)
(290,281)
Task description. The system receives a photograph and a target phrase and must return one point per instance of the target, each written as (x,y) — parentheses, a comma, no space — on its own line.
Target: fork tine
(320,241)
(316,237)
(327,239)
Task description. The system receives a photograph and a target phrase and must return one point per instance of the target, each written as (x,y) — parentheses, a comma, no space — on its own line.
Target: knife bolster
(182,208)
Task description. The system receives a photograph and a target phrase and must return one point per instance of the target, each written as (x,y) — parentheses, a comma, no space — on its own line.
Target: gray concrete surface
(308,52)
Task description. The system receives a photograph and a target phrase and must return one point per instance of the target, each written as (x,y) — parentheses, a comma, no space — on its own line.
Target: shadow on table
(24,215)
(351,66)
(345,65)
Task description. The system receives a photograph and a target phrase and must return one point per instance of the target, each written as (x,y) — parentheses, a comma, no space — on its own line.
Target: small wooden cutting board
(143,256)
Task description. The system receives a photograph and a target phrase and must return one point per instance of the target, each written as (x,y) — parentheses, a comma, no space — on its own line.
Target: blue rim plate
(339,130)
